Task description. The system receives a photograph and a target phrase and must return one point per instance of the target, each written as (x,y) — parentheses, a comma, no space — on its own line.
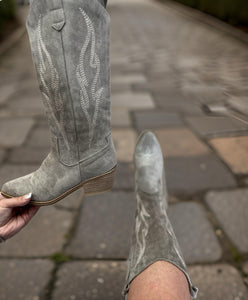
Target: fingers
(15,201)
(32,211)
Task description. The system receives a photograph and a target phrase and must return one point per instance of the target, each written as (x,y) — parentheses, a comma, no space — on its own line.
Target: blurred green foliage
(7,11)
(234,12)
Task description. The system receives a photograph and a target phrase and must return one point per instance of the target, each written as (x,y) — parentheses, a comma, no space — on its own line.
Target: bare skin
(15,213)
(160,281)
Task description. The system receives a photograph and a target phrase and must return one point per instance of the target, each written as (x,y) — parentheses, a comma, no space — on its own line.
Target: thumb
(15,201)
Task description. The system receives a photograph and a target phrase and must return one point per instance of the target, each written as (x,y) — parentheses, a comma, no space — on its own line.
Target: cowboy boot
(70,48)
(153,238)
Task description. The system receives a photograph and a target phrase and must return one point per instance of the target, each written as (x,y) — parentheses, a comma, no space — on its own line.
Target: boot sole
(93,186)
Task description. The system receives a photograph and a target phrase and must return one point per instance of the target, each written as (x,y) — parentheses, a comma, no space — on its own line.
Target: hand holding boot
(15,213)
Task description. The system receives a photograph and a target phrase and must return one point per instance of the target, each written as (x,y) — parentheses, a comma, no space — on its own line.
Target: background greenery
(7,11)
(231,11)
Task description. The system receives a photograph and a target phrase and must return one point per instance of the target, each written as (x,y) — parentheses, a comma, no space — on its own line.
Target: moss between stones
(60,258)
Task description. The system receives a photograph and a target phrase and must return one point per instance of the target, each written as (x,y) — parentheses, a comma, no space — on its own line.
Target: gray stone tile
(195,234)
(132,100)
(2,155)
(104,228)
(156,119)
(72,202)
(24,279)
(231,211)
(40,137)
(6,92)
(194,174)
(173,101)
(124,179)
(124,141)
(204,93)
(90,280)
(245,267)
(180,142)
(120,117)
(168,96)
(43,236)
(239,103)
(216,125)
(218,282)
(125,82)
(13,132)
(27,101)
(9,171)
(23,155)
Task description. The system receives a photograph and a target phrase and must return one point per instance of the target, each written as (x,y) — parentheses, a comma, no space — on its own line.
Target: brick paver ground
(167,67)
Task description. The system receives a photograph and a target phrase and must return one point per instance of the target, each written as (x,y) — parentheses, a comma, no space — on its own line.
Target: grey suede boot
(70,46)
(153,238)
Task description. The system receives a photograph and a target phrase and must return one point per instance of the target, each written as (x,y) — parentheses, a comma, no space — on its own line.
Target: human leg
(160,281)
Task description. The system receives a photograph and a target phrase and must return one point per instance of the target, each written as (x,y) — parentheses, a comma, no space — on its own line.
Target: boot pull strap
(57,14)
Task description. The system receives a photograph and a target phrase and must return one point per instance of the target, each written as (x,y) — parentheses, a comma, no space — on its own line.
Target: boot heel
(100,184)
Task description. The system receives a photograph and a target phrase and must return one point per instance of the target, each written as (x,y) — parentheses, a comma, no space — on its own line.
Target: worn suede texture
(70,47)
(153,238)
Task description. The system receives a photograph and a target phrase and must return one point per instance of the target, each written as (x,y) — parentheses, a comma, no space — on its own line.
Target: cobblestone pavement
(168,71)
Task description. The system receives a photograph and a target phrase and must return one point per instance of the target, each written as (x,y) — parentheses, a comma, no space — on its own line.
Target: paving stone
(124,141)
(173,101)
(204,93)
(168,95)
(134,67)
(234,151)
(24,279)
(40,137)
(9,171)
(27,101)
(194,174)
(132,100)
(231,211)
(180,142)
(124,178)
(125,82)
(71,202)
(104,228)
(2,155)
(156,119)
(245,267)
(22,155)
(195,234)
(216,125)
(90,280)
(218,282)
(6,92)
(43,236)
(120,117)
(14,132)
(239,103)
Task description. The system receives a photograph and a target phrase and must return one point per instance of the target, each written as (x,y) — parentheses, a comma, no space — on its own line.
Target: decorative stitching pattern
(50,85)
(141,228)
(89,96)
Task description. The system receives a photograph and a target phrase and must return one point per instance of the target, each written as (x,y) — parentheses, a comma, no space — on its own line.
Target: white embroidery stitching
(141,222)
(94,99)
(50,85)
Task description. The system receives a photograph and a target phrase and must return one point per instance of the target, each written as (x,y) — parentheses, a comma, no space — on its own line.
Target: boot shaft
(70,46)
